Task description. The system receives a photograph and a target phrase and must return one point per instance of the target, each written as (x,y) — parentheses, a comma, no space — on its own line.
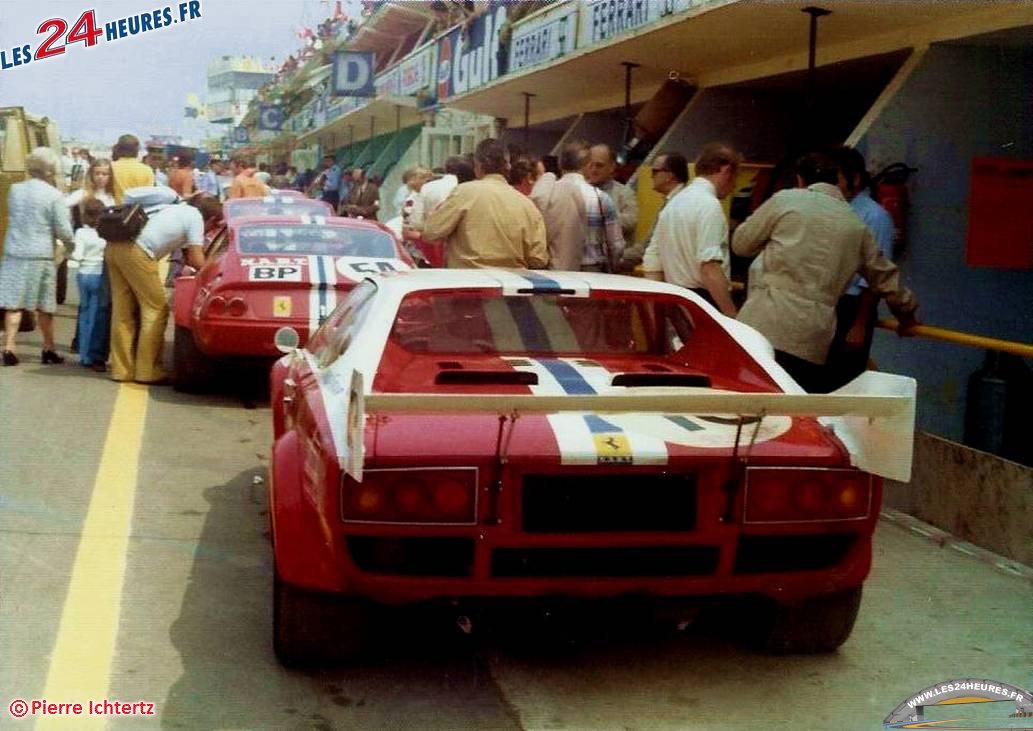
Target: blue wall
(961,102)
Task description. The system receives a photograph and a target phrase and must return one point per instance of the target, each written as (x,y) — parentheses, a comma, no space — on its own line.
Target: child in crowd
(94,297)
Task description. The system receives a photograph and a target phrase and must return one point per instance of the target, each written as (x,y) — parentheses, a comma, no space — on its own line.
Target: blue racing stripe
(568,377)
(599,425)
(684,423)
(532,332)
(323,285)
(540,283)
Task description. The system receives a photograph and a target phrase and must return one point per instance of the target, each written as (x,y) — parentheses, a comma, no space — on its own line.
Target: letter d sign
(353,74)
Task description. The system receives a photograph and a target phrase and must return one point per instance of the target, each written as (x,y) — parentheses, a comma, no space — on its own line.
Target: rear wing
(873,415)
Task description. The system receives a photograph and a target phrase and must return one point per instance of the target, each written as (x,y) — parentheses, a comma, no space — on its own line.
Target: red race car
(280,204)
(269,273)
(485,434)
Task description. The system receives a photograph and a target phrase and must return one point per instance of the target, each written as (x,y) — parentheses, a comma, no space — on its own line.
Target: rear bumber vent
(412,556)
(662,379)
(500,378)
(609,503)
(774,554)
(605,562)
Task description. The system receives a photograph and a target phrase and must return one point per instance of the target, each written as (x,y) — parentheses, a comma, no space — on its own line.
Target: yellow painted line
(80,666)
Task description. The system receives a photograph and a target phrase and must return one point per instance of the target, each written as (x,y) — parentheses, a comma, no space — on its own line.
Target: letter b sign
(353,74)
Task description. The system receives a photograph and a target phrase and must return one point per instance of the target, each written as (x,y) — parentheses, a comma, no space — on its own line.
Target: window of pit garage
(336,334)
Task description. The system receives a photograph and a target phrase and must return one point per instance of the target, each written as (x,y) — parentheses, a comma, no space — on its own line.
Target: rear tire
(816,625)
(192,370)
(310,628)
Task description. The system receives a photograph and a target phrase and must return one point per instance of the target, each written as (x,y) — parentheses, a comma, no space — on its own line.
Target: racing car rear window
(276,207)
(315,239)
(467,322)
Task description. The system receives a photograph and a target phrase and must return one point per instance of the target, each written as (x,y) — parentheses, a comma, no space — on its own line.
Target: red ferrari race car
(269,273)
(489,434)
(276,205)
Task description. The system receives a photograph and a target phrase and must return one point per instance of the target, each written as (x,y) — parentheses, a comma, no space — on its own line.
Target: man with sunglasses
(689,244)
(670,172)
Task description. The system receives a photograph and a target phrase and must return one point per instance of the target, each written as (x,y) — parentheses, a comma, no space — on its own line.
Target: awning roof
(391,23)
(387,113)
(728,42)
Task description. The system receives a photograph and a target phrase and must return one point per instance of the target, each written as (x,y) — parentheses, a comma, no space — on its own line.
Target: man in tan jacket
(809,244)
(486,222)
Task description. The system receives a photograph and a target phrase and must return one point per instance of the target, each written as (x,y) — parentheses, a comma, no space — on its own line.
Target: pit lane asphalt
(194,622)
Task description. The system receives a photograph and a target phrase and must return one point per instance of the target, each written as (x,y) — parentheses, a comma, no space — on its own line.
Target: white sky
(139,84)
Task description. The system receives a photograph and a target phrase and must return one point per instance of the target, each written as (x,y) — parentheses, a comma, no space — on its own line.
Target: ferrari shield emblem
(282,306)
(612,448)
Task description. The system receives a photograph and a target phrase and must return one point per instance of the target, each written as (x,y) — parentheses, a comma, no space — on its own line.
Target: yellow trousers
(139,313)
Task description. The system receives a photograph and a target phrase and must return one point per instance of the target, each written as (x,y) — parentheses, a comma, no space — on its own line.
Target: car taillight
(790,494)
(237,307)
(444,496)
(216,306)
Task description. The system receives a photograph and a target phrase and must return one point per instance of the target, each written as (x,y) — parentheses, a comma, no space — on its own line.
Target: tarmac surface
(135,566)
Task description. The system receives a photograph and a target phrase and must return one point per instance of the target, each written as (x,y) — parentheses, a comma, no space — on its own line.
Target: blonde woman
(98,185)
(38,214)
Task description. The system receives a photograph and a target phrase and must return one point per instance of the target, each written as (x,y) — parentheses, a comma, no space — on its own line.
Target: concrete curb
(946,540)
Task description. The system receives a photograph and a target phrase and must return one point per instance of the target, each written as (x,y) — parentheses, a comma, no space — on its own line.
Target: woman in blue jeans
(94,296)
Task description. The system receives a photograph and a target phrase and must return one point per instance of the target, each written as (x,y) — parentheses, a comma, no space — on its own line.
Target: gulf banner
(467,61)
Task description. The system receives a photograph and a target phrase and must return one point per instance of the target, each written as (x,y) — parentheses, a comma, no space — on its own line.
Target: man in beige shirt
(810,244)
(566,222)
(486,222)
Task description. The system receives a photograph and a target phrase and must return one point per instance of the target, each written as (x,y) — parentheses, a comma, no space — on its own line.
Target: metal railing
(1024,350)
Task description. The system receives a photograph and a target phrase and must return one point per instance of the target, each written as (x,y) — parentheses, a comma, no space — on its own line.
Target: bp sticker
(275,273)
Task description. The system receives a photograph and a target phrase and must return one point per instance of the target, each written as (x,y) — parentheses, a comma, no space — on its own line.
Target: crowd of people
(820,249)
(123,307)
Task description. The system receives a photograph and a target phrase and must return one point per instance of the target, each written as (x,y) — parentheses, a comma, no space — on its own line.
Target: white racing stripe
(588,438)
(322,296)
(638,438)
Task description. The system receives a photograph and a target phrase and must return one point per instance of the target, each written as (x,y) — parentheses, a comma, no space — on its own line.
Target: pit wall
(972,495)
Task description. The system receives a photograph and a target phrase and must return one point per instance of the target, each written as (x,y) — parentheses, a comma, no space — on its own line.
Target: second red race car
(264,274)
(284,203)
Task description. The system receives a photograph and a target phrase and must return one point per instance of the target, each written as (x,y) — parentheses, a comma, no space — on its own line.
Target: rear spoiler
(873,415)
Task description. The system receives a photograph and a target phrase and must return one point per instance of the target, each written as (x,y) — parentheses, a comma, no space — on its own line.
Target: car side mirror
(286,339)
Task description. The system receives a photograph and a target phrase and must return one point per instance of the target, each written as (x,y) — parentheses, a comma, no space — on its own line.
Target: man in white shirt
(670,175)
(435,191)
(136,285)
(412,180)
(691,234)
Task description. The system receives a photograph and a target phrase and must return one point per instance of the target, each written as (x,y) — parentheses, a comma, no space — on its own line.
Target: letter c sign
(353,74)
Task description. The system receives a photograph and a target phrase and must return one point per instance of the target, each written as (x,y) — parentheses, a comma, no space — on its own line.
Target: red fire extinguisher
(890,190)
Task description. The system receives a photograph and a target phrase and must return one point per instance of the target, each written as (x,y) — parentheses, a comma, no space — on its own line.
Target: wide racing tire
(816,625)
(192,370)
(314,629)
